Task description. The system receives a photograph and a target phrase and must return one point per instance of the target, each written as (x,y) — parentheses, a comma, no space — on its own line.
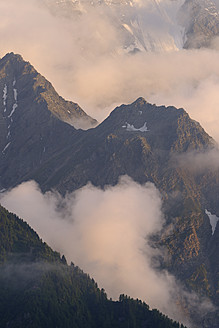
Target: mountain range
(151,25)
(149,143)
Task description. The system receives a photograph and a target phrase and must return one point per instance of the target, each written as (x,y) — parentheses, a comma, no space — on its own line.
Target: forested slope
(39,289)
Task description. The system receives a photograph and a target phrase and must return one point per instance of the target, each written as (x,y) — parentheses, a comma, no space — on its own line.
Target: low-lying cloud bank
(84,60)
(106,232)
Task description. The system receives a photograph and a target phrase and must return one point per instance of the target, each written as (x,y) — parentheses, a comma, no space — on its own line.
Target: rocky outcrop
(201,21)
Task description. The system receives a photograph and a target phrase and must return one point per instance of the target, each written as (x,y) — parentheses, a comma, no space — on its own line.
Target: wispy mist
(198,161)
(106,232)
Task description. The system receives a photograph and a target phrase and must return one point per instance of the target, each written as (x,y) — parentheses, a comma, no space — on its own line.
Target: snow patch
(13,110)
(213,220)
(130,127)
(15,105)
(128,28)
(5,91)
(6,147)
(15,94)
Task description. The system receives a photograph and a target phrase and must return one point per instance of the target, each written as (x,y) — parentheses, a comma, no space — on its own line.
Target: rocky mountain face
(201,21)
(150,25)
(140,140)
(139,131)
(30,119)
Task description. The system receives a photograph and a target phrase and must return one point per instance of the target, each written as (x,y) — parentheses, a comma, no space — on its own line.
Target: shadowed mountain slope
(31,111)
(38,288)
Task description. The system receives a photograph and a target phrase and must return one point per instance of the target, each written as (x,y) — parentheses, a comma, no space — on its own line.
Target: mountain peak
(32,118)
(12,55)
(11,58)
(29,83)
(139,102)
(164,128)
